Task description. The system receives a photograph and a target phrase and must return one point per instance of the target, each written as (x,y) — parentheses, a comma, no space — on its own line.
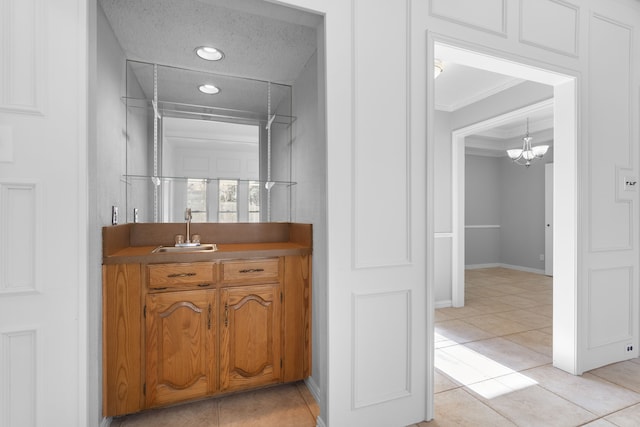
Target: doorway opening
(564,190)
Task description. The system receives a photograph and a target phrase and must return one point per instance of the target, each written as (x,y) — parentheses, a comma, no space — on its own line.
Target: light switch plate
(630,183)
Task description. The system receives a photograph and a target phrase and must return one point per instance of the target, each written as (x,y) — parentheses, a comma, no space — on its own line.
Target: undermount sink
(209,247)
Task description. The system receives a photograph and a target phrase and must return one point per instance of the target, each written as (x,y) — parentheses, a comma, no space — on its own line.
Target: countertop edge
(143,255)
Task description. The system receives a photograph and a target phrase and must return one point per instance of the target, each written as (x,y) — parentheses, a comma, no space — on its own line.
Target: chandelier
(525,155)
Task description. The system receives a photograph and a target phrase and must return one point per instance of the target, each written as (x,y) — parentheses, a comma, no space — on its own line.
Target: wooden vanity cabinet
(179,331)
(250,325)
(180,346)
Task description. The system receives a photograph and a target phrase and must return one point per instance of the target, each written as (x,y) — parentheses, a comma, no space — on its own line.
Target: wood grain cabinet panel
(181,275)
(180,332)
(250,336)
(121,339)
(251,271)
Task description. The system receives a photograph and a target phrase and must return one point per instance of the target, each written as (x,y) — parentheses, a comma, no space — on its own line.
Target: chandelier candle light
(525,155)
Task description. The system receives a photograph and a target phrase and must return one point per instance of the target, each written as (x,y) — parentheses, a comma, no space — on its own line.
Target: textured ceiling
(260,40)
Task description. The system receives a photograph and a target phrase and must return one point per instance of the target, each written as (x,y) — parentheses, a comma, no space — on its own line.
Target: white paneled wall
(489,15)
(378,119)
(381,195)
(562,16)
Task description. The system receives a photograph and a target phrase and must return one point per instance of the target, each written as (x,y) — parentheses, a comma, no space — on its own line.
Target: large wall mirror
(220,145)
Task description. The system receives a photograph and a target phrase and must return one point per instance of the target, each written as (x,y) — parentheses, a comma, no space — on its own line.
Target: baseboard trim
(443,304)
(313,388)
(478,266)
(106,422)
(509,266)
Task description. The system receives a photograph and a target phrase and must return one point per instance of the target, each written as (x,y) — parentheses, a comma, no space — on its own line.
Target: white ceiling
(460,86)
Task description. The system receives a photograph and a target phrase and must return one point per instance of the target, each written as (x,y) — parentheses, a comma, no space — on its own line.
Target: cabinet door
(180,346)
(250,336)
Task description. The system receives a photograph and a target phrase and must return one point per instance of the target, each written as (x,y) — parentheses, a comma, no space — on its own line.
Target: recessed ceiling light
(209,89)
(209,53)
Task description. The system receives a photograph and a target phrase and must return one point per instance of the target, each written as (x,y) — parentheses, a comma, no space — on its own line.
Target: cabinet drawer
(251,271)
(197,274)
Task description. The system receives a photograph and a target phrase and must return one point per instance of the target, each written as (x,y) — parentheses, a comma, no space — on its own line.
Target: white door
(548,219)
(43,213)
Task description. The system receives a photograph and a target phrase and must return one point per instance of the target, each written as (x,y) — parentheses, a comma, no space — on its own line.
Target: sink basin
(208,247)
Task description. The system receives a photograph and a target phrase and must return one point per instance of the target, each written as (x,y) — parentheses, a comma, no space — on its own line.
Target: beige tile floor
(288,405)
(493,363)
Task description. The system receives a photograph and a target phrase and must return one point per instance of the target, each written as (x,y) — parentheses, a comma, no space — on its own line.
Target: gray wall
(483,203)
(522,213)
(499,192)
(442,200)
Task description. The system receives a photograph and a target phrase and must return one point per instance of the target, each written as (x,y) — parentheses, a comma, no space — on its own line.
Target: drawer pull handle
(181,275)
(159,289)
(252,270)
(203,285)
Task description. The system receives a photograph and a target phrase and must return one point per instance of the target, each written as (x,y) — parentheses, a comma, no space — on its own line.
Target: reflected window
(254,201)
(197,199)
(228,200)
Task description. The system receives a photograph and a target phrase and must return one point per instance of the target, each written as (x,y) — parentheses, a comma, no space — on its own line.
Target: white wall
(111,124)
(107,160)
(309,162)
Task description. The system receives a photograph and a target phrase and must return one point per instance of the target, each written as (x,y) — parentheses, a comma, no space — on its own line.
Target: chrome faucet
(187,217)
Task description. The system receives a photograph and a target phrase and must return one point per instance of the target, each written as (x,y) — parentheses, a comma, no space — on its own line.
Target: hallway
(494,362)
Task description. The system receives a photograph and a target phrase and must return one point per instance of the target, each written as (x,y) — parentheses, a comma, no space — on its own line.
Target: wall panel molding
(562,16)
(22,56)
(381,356)
(610,306)
(610,148)
(18,230)
(18,388)
(381,171)
(472,14)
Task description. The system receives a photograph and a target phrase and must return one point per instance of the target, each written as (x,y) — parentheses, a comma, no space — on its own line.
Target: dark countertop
(143,255)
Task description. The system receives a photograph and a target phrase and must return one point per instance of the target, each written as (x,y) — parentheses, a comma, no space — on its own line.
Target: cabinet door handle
(181,275)
(226,314)
(209,318)
(252,270)
(204,285)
